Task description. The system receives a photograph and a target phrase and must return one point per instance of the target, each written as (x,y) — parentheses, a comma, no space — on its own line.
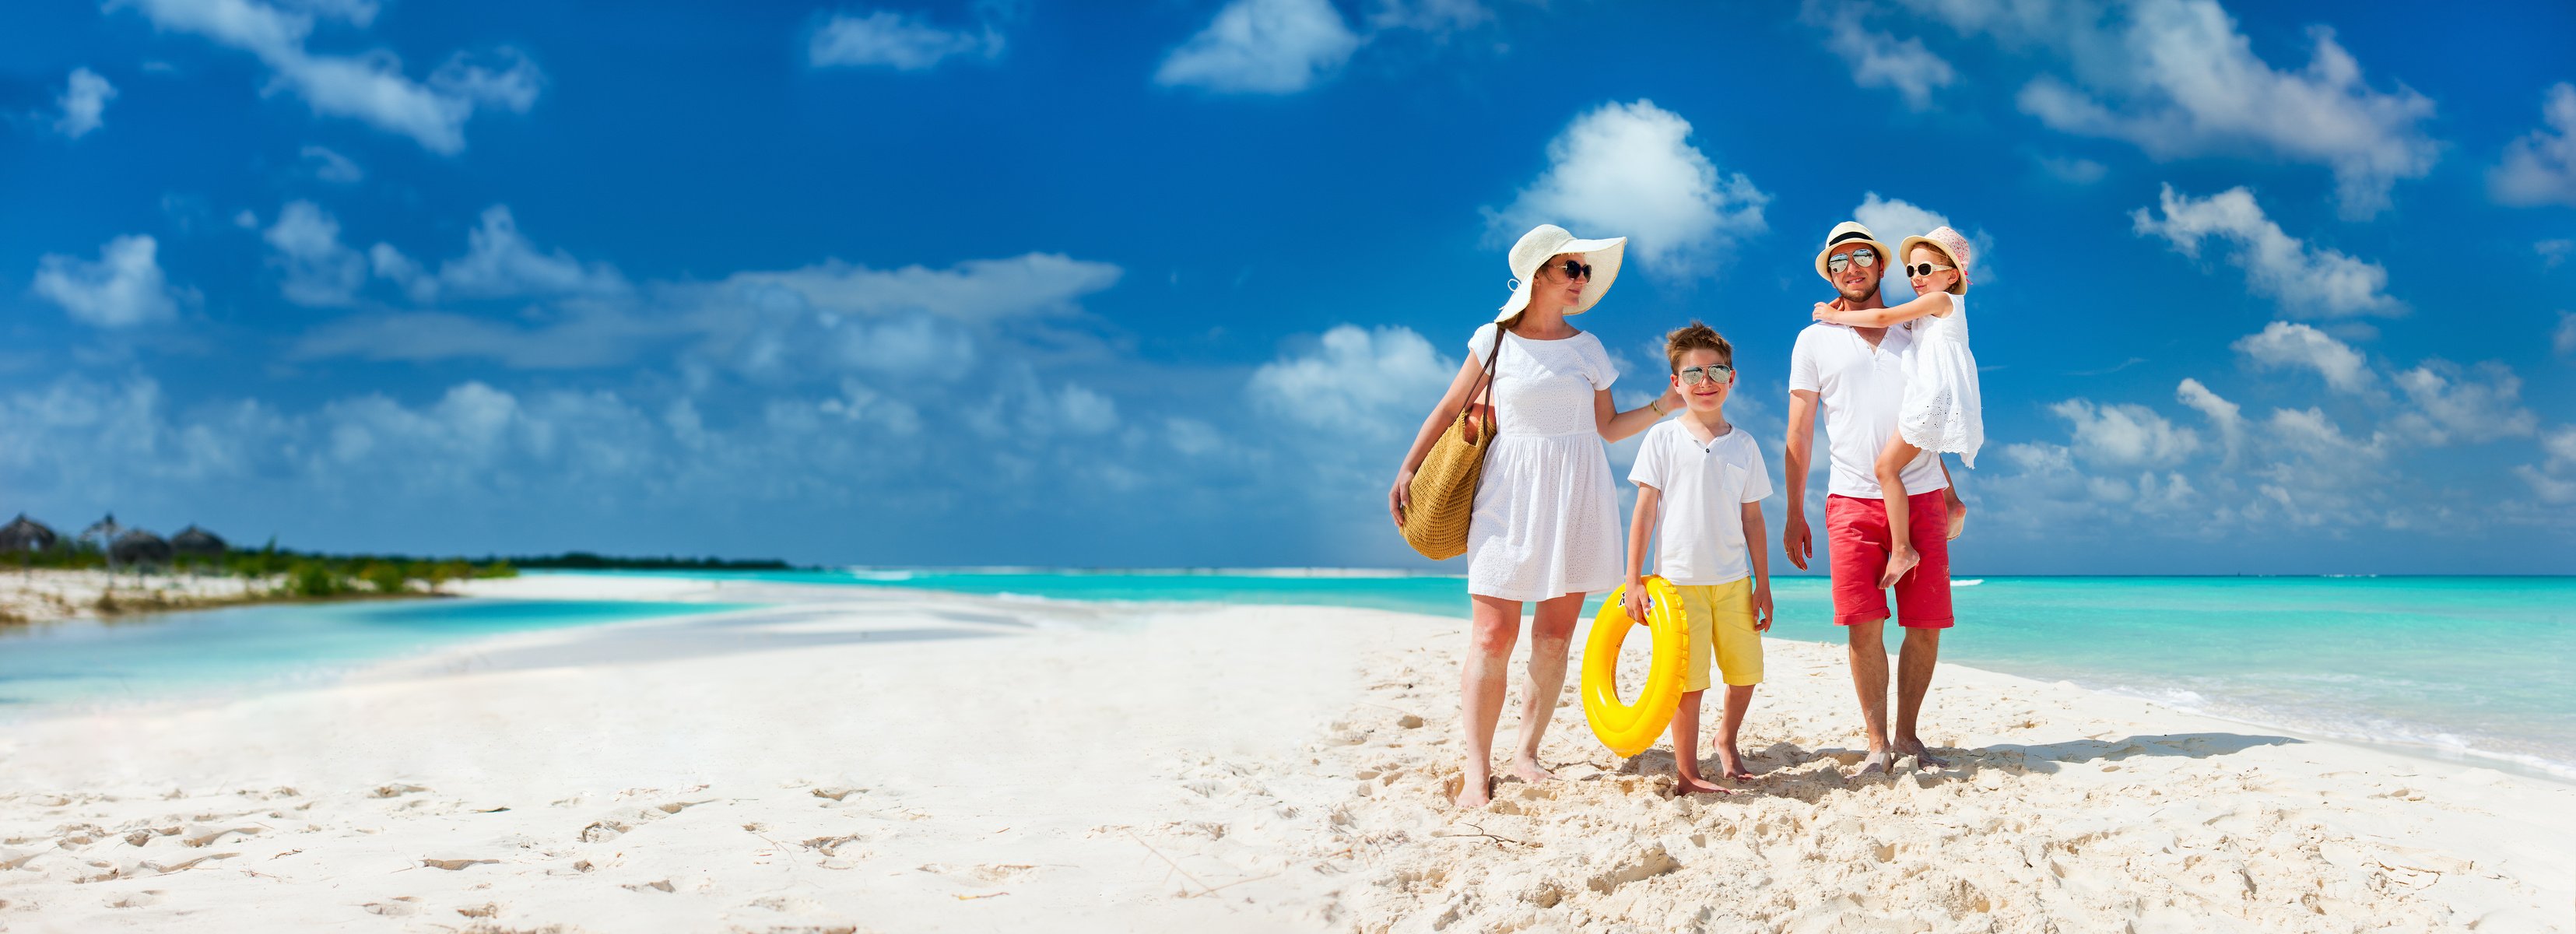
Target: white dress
(1941,410)
(1546,522)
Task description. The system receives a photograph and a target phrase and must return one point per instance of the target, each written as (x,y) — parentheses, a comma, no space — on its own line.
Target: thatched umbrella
(25,534)
(138,548)
(103,534)
(194,542)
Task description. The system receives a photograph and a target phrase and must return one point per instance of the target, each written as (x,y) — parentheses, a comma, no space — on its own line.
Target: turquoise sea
(2463,668)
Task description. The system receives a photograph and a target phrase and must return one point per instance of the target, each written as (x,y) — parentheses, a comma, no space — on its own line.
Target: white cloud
(1893,219)
(901,41)
(499,262)
(2564,341)
(984,290)
(83,100)
(331,166)
(1630,170)
(125,287)
(2304,279)
(1374,383)
(2283,344)
(2553,251)
(2125,434)
(320,270)
(1879,60)
(2540,168)
(369,87)
(2227,417)
(1262,47)
(2554,480)
(2448,404)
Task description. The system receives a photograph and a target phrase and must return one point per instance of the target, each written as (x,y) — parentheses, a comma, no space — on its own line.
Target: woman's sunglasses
(1574,270)
(1692,375)
(1865,256)
(1925,269)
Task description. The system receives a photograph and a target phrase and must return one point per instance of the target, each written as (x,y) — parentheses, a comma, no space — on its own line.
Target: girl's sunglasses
(1865,256)
(1574,270)
(1692,375)
(1925,269)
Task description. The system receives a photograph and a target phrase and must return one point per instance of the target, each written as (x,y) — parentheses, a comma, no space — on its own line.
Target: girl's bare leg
(1495,626)
(1901,556)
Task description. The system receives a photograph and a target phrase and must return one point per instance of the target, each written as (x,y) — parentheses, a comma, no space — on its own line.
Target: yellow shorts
(1721,629)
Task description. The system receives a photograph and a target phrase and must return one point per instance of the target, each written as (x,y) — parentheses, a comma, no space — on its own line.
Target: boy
(1705,482)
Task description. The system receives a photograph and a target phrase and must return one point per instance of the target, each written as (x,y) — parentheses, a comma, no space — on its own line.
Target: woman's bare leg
(1494,626)
(1901,556)
(1551,637)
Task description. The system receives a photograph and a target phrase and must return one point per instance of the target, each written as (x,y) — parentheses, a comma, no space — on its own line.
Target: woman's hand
(1672,400)
(1400,496)
(1636,599)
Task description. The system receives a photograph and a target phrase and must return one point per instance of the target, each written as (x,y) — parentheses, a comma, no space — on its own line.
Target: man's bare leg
(1868,654)
(1915,662)
(1739,698)
(1494,627)
(1551,636)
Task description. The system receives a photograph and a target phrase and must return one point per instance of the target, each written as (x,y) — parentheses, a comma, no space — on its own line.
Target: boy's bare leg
(1739,698)
(1686,748)
(1551,635)
(1901,556)
(1868,656)
(1495,626)
(1915,663)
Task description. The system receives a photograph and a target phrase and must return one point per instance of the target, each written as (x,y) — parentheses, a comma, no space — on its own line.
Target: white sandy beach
(851,759)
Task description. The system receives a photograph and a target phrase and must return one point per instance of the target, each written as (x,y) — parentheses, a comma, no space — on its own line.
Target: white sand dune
(848,759)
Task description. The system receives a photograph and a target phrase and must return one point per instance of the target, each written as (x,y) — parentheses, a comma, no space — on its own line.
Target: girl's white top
(1941,411)
(1546,522)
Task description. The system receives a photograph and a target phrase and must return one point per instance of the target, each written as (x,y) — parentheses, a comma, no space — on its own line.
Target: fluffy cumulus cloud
(1630,170)
(2540,168)
(319,269)
(82,103)
(2124,434)
(370,87)
(2553,480)
(2283,344)
(499,262)
(2447,403)
(2178,79)
(1357,382)
(2304,279)
(1262,47)
(331,166)
(124,287)
(901,41)
(1880,60)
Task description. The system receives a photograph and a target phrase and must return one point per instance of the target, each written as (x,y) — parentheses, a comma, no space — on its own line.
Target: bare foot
(1731,764)
(1923,758)
(1694,785)
(1529,771)
(1897,564)
(1475,792)
(1876,764)
(1958,518)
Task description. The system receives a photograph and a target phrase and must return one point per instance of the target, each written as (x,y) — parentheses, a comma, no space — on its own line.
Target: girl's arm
(1754,533)
(1442,414)
(1617,425)
(1641,528)
(1937,303)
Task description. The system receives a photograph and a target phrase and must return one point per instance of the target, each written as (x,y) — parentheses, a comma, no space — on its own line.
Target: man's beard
(1862,297)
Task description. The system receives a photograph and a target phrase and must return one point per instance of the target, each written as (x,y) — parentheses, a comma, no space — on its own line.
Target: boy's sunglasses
(1925,269)
(1691,375)
(1574,270)
(1865,256)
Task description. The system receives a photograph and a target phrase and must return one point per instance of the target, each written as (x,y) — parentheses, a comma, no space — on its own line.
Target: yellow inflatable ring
(1629,729)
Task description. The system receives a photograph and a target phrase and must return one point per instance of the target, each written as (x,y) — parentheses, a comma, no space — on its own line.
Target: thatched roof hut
(102,531)
(195,542)
(138,548)
(25,534)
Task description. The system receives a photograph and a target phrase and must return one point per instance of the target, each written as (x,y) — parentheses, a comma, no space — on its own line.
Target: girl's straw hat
(1950,244)
(1547,240)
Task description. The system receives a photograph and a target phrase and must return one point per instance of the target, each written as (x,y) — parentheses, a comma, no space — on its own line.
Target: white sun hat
(1853,232)
(1548,240)
(1946,241)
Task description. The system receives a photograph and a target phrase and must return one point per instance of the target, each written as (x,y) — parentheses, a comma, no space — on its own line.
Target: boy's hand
(1636,600)
(1762,608)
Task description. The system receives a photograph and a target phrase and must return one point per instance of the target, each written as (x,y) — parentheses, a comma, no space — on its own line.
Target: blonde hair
(1696,336)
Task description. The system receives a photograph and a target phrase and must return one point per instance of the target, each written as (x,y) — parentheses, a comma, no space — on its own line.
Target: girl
(1940,412)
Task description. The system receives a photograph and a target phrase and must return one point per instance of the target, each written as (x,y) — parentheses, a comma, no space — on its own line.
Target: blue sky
(2271,289)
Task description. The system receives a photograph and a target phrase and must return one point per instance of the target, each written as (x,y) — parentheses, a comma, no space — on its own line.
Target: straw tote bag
(1443,493)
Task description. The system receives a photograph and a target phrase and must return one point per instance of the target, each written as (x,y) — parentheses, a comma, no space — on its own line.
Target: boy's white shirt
(1700,520)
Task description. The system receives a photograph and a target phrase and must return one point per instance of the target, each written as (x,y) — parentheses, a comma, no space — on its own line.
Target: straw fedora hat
(1950,244)
(1547,240)
(1849,232)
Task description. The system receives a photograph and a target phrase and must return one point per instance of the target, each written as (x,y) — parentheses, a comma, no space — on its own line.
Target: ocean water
(2466,668)
(176,654)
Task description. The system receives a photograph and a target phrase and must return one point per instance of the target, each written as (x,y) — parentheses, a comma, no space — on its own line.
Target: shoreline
(829,760)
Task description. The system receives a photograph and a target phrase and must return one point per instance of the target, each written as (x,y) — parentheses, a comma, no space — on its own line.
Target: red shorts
(1857,543)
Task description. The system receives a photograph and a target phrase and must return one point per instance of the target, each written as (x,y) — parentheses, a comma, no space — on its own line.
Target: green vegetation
(302,575)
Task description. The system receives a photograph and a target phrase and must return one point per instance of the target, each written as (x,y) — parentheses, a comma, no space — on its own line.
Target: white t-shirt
(1705,486)
(1860,390)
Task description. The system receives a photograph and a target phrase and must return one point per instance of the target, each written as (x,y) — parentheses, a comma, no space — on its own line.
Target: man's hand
(1636,599)
(1762,608)
(1795,540)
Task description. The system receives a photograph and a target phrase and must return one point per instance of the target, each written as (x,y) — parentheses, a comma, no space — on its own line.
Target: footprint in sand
(982,872)
(142,899)
(399,906)
(453,865)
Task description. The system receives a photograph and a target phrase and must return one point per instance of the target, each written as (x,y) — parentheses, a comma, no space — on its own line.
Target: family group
(1897,389)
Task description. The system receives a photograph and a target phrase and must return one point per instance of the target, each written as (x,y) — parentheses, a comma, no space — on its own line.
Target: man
(1857,376)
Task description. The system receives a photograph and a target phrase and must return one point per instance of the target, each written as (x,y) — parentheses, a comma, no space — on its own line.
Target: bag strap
(1493,416)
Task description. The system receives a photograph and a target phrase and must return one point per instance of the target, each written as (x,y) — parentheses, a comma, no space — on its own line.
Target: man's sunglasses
(1574,270)
(1865,256)
(1691,375)
(1925,269)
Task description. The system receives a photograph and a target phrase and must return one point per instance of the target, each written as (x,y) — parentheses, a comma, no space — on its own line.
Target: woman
(1546,524)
